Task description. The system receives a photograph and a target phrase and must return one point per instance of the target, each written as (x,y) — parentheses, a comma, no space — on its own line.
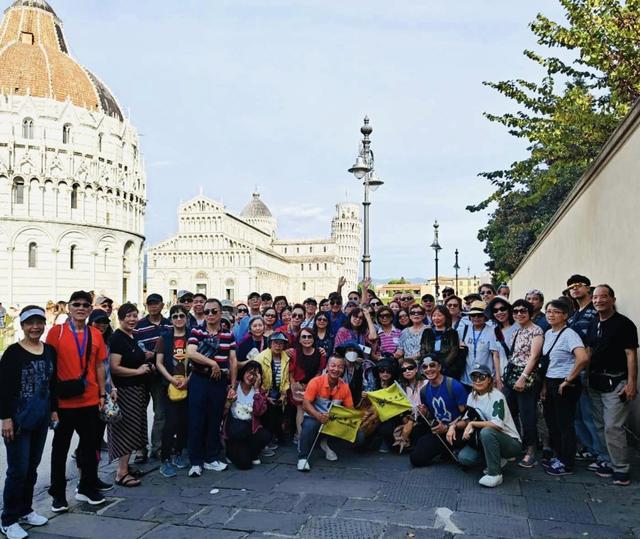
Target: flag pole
(306,461)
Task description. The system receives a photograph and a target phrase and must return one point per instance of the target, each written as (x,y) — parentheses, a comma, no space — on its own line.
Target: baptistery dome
(258,214)
(72,180)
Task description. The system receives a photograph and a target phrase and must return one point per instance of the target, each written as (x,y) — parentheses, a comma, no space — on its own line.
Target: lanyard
(475,340)
(85,335)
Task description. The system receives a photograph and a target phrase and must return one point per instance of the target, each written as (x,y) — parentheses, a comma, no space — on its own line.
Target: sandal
(141,458)
(128,481)
(528,461)
(135,472)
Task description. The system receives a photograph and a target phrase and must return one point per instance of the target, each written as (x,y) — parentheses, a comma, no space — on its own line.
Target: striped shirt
(216,346)
(148,333)
(388,342)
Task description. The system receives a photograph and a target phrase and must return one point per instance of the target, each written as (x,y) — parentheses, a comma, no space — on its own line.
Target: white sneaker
(256,462)
(491,480)
(503,463)
(195,471)
(216,466)
(15,531)
(329,453)
(33,519)
(303,465)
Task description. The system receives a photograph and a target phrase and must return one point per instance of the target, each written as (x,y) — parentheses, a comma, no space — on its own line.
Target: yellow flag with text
(343,423)
(389,402)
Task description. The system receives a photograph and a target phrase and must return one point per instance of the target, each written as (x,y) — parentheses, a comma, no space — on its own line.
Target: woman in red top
(307,362)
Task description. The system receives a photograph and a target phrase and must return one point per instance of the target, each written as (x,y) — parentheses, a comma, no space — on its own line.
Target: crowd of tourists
(489,379)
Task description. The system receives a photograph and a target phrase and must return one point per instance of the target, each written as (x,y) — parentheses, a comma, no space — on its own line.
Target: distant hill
(412,280)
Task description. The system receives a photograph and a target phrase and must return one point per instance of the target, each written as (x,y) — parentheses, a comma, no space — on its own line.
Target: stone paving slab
(319,505)
(212,517)
(264,521)
(376,511)
(400,532)
(337,528)
(170,531)
(563,510)
(430,496)
(96,527)
(548,529)
(490,526)
(351,488)
(493,504)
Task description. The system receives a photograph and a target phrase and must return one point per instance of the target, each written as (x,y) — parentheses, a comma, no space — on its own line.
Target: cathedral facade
(227,256)
(72,181)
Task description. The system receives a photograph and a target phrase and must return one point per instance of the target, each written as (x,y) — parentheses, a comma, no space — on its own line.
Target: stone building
(227,256)
(72,181)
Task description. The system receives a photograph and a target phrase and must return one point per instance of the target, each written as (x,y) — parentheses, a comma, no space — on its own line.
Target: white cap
(36,311)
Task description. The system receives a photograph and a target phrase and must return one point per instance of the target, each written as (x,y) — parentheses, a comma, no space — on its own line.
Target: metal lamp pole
(436,247)
(456,267)
(363,169)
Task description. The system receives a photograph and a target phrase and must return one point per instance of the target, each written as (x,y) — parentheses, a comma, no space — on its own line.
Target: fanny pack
(68,389)
(174,393)
(605,383)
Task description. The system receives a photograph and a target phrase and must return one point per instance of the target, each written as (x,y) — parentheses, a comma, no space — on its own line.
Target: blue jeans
(206,405)
(586,429)
(524,409)
(23,457)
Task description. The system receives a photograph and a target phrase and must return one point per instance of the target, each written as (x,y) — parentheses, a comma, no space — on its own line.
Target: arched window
(100,140)
(27,128)
(18,191)
(72,257)
(74,197)
(33,254)
(66,134)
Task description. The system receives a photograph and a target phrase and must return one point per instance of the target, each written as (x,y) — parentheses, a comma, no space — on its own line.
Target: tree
(402,280)
(565,129)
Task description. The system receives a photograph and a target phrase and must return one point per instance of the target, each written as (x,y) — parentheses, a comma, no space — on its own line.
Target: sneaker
(583,454)
(603,469)
(102,486)
(490,481)
(503,463)
(167,469)
(216,466)
(195,471)
(266,452)
(329,453)
(272,446)
(547,456)
(621,479)
(303,465)
(180,461)
(256,462)
(59,504)
(33,519)
(557,469)
(384,447)
(15,531)
(92,497)
(528,461)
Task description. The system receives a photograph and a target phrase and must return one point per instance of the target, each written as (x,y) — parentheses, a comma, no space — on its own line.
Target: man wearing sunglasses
(211,351)
(310,308)
(241,330)
(336,316)
(80,350)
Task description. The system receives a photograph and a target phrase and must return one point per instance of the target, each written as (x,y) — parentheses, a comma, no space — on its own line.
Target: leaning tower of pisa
(346,230)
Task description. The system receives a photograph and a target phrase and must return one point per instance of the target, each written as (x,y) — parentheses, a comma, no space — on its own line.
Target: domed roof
(34,60)
(255,208)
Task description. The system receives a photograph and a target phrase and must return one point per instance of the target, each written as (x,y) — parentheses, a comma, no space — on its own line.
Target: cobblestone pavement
(359,497)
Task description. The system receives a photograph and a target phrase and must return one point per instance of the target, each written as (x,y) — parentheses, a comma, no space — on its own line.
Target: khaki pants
(609,416)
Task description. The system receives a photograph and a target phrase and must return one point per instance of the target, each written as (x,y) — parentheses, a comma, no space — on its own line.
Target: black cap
(575,279)
(312,301)
(98,314)
(154,298)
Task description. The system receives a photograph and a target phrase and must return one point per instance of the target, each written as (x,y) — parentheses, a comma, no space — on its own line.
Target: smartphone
(623,397)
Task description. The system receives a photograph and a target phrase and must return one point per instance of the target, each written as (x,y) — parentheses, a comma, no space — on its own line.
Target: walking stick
(306,461)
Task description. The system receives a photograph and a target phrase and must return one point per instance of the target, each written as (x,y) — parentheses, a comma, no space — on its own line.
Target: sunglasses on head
(479,377)
(178,316)
(80,305)
(431,365)
(207,312)
(501,309)
(407,369)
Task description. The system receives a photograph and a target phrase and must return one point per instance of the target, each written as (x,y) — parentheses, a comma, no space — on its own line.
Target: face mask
(351,356)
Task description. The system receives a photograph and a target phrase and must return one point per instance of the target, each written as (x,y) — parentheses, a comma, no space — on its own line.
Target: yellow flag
(343,423)
(389,402)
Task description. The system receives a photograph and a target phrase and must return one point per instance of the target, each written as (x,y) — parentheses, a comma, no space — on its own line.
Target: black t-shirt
(132,357)
(608,341)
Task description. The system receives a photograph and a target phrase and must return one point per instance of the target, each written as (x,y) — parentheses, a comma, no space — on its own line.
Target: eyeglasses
(384,315)
(403,315)
(406,298)
(414,313)
(407,369)
(207,312)
(385,370)
(520,310)
(78,305)
(431,365)
(375,303)
(243,310)
(306,336)
(576,285)
(322,320)
(334,302)
(479,377)
(476,315)
(297,316)
(554,311)
(178,316)
(270,315)
(502,309)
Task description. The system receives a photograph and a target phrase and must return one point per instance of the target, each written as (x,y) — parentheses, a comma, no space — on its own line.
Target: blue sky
(232,94)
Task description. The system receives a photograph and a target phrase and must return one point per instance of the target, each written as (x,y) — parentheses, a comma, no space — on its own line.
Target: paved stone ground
(358,497)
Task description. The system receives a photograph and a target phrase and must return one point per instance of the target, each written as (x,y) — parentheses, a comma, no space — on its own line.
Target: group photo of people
(203,384)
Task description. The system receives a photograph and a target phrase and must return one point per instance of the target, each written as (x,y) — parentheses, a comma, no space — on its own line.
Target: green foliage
(402,280)
(566,128)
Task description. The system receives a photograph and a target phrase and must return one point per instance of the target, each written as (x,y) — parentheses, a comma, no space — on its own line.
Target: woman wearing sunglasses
(402,320)
(254,343)
(386,374)
(440,342)
(521,385)
(411,382)
(410,338)
(270,317)
(172,364)
(292,329)
(487,427)
(500,312)
(306,361)
(359,328)
(324,339)
(388,335)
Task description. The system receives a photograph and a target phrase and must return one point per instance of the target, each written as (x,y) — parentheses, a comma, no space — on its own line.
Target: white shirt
(492,406)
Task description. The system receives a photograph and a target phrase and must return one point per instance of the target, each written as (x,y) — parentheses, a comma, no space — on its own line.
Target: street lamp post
(456,267)
(436,247)
(363,169)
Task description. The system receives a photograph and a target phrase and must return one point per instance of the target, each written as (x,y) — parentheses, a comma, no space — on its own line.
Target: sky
(228,95)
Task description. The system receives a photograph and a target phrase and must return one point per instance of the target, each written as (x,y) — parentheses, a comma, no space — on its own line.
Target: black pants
(272,419)
(560,415)
(429,447)
(174,431)
(243,446)
(85,421)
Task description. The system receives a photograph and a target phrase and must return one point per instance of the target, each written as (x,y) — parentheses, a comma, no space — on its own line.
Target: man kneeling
(322,391)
